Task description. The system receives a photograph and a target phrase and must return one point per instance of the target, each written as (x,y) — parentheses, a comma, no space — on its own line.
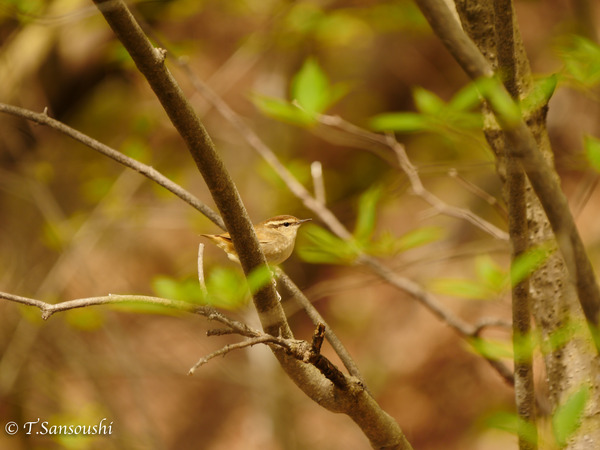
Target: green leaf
(503,105)
(527,263)
(540,94)
(367,209)
(513,424)
(182,290)
(404,122)
(281,110)
(259,278)
(427,102)
(567,418)
(461,288)
(226,288)
(592,151)
(388,244)
(310,87)
(491,349)
(318,246)
(581,58)
(490,273)
(466,99)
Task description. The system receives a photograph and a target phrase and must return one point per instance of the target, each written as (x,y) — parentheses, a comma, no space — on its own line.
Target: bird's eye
(286,224)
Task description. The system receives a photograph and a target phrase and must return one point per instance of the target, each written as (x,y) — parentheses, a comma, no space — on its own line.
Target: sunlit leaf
(318,246)
(310,87)
(227,288)
(182,290)
(562,335)
(388,244)
(512,423)
(427,102)
(282,110)
(490,273)
(406,122)
(367,210)
(592,151)
(492,349)
(462,288)
(527,263)
(259,278)
(466,99)
(567,418)
(463,120)
(502,104)
(540,94)
(581,58)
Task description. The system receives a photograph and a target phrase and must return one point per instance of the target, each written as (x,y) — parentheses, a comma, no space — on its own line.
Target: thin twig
(316,318)
(201,270)
(428,300)
(264,339)
(146,170)
(316,170)
(412,173)
(524,148)
(477,191)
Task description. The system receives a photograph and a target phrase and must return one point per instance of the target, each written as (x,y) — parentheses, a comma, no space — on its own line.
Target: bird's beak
(304,220)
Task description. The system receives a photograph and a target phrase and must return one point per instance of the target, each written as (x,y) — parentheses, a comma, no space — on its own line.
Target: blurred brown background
(75,224)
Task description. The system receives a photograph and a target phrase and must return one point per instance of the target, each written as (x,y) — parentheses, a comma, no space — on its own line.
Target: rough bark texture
(554,302)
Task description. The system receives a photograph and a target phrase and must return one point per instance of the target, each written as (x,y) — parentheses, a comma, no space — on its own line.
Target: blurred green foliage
(457,116)
(491,279)
(312,91)
(581,59)
(319,246)
(226,287)
(567,417)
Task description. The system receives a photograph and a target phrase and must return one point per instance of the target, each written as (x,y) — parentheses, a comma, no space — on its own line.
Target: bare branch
(150,62)
(264,339)
(144,169)
(49,308)
(316,318)
(430,302)
(389,142)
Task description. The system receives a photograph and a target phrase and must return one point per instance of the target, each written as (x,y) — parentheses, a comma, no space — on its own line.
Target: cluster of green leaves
(565,421)
(311,93)
(434,114)
(319,246)
(492,280)
(581,59)
(462,112)
(226,287)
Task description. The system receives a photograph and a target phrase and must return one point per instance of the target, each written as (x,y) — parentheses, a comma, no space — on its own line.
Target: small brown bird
(276,237)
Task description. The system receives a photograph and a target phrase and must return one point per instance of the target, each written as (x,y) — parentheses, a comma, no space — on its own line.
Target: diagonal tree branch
(150,62)
(353,400)
(154,175)
(518,228)
(144,169)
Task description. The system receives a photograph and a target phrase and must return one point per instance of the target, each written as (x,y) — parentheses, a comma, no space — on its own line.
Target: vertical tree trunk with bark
(572,362)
